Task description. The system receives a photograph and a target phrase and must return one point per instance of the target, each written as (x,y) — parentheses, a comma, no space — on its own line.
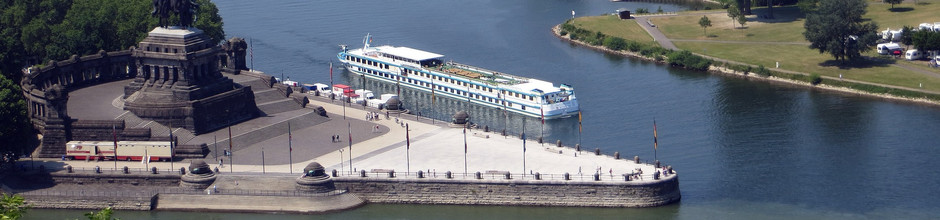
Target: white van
(913,55)
(886,48)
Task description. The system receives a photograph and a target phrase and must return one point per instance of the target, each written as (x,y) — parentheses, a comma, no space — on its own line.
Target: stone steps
(267,95)
(278,106)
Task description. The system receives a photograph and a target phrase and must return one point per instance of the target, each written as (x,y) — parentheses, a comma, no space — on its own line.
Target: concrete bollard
(449,175)
(126,170)
(655,175)
(153,170)
(486,128)
(391,174)
(538,176)
(362,173)
(97,169)
(420,174)
(636,159)
(182,171)
(508,176)
(617,155)
(479,175)
(558,143)
(504,132)
(334,173)
(597,151)
(539,140)
(68,168)
(567,176)
(626,177)
(216,170)
(597,177)
(577,147)
(656,163)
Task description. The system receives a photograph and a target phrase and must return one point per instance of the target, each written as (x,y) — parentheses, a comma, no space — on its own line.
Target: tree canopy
(36,31)
(925,40)
(705,23)
(12,206)
(16,126)
(836,27)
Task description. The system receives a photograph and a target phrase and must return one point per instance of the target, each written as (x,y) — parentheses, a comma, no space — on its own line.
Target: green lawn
(907,13)
(788,27)
(802,59)
(614,26)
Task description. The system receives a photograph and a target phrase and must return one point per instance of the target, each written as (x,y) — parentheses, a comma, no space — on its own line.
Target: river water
(744,150)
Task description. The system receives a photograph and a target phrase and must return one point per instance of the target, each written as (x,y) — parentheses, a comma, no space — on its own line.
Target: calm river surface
(744,150)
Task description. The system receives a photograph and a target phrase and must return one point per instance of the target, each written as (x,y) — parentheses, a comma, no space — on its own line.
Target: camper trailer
(887,48)
(913,55)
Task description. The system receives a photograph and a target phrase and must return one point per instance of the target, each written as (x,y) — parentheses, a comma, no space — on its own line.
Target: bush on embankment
(683,59)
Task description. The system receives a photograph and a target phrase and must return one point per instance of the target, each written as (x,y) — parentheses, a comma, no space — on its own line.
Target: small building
(623,14)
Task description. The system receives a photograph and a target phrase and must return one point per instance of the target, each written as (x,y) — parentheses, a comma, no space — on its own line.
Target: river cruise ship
(429,72)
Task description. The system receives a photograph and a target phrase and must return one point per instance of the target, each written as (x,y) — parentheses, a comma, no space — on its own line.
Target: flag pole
(523,147)
(408,147)
(465,150)
(172,142)
(290,149)
(262,160)
(231,154)
(655,140)
(349,133)
(114,134)
(579,127)
(331,82)
(542,129)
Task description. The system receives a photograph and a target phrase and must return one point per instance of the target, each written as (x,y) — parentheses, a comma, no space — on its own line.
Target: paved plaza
(435,148)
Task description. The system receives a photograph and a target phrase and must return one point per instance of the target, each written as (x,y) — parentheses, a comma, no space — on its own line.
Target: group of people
(335,138)
(373,116)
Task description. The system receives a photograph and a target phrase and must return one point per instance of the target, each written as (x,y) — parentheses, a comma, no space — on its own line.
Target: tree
(742,20)
(705,23)
(733,13)
(11,206)
(836,28)
(209,21)
(104,214)
(907,38)
(807,6)
(745,6)
(15,132)
(925,40)
(770,9)
(893,2)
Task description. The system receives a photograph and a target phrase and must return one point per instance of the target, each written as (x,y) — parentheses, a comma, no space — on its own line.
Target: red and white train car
(127,150)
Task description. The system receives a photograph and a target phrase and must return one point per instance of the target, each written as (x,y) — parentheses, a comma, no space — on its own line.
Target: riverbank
(556,30)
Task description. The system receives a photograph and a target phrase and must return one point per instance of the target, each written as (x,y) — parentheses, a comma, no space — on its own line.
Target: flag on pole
(655,141)
(543,115)
(251,52)
(465,139)
(579,121)
(407,138)
(523,135)
(432,91)
(290,138)
(114,135)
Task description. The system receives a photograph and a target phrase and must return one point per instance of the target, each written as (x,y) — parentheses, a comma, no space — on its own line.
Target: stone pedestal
(315,180)
(179,83)
(199,176)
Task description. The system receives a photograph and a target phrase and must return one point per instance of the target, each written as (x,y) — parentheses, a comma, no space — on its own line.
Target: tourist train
(429,72)
(127,150)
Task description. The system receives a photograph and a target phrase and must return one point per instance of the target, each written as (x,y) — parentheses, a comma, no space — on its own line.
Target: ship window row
(367,62)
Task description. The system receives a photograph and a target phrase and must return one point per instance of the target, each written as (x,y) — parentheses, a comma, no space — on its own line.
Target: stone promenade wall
(91,202)
(514,192)
(144,179)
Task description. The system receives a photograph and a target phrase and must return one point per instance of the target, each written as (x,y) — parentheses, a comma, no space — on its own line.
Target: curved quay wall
(514,192)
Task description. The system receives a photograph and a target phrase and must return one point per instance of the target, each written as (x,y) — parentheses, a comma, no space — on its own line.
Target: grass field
(802,59)
(614,26)
(787,27)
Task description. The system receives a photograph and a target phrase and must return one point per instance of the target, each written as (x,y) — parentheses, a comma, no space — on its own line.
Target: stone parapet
(514,192)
